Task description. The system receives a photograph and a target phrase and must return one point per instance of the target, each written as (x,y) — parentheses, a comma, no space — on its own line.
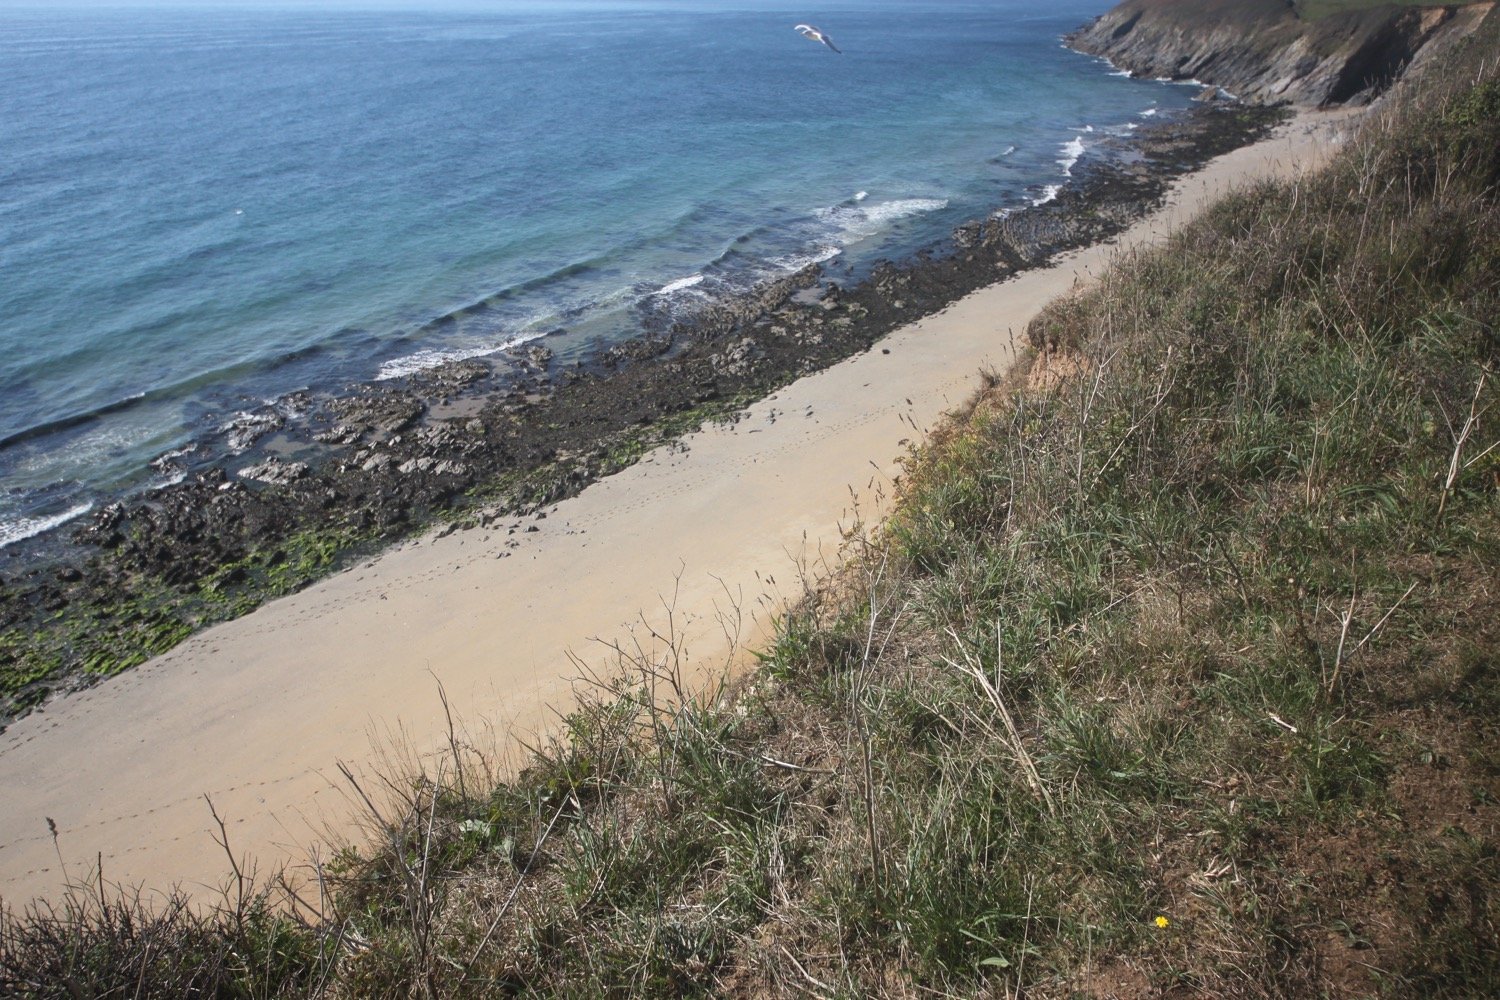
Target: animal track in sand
(66,828)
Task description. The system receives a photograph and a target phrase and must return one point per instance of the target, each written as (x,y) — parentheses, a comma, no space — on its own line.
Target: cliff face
(1260,50)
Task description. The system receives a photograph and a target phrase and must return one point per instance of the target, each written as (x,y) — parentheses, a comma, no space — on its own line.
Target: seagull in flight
(813,34)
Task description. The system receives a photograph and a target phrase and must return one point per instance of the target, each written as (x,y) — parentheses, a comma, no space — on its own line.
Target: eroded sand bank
(256,713)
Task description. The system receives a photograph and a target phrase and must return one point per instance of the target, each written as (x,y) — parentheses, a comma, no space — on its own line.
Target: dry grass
(1174,673)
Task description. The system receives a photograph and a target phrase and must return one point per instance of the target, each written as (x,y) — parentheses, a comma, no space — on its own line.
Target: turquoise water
(202,210)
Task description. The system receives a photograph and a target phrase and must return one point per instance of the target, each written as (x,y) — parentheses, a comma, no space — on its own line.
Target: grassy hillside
(1174,673)
(1311,10)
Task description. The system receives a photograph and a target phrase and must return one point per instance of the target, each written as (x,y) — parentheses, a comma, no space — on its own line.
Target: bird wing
(813,34)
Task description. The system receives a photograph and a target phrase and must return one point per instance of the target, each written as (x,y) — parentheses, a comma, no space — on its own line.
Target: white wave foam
(426,358)
(1048,193)
(797,261)
(861,195)
(168,471)
(1122,72)
(169,477)
(1008,150)
(167,456)
(27,527)
(1071,152)
(247,426)
(94,449)
(1147,113)
(889,211)
(679,285)
(852,223)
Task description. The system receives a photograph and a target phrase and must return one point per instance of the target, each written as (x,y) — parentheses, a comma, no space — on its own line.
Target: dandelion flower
(1161,921)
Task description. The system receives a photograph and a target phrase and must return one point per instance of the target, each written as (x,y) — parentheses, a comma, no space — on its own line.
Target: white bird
(813,34)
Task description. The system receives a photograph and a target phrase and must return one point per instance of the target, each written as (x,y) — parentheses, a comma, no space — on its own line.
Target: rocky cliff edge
(1263,51)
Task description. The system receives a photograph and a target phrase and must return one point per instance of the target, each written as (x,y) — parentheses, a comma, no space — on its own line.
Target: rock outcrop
(1263,51)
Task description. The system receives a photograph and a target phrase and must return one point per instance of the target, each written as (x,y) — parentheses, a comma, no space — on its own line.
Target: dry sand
(256,713)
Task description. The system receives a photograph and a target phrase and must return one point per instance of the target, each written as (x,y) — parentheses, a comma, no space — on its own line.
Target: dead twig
(520,879)
(1456,465)
(992,693)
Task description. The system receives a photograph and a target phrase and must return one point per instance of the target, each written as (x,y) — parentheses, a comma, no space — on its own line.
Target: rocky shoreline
(322,482)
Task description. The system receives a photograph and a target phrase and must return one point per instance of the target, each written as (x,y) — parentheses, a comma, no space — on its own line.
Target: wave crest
(21,528)
(1071,151)
(681,284)
(417,361)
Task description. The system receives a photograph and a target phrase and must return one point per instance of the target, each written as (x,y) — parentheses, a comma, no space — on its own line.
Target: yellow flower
(1161,921)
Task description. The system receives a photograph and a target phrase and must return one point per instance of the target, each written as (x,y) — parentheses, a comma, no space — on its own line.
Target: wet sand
(256,714)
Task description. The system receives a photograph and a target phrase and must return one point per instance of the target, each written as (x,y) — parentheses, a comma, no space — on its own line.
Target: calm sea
(205,209)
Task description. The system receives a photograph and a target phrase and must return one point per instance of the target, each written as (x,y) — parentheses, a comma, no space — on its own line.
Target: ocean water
(205,209)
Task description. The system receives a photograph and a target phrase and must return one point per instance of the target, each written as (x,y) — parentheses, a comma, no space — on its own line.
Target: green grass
(100,638)
(1201,628)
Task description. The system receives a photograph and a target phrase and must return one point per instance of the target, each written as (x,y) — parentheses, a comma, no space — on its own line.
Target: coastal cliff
(1266,51)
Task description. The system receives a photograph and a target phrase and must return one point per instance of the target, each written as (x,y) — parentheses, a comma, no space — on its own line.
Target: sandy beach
(256,714)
